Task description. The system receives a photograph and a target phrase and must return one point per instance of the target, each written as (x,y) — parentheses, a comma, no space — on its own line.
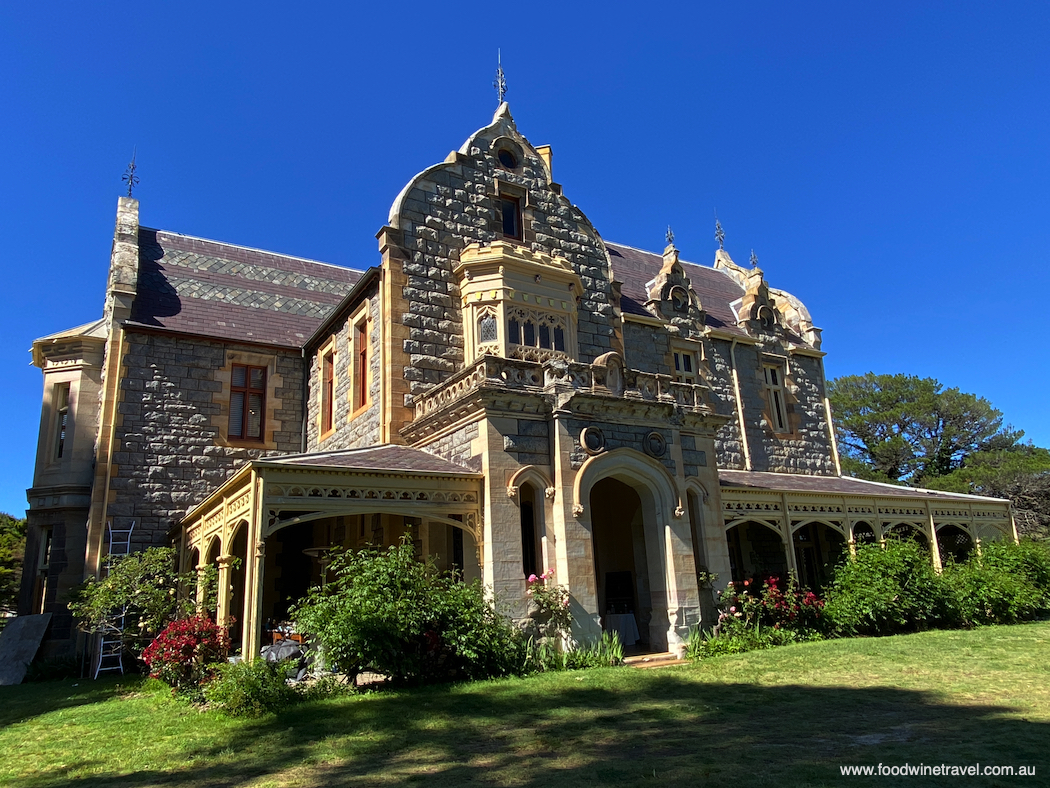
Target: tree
(12,552)
(1021,474)
(903,428)
(147,589)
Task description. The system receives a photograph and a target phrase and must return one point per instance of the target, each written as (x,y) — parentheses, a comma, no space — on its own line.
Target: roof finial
(129,177)
(670,236)
(501,81)
(754,259)
(720,234)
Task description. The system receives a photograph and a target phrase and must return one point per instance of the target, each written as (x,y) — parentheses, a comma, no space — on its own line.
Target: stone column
(573,545)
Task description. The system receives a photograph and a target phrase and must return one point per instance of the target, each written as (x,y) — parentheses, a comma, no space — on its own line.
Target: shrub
(883,590)
(1004,584)
(752,617)
(387,612)
(553,615)
(146,587)
(250,689)
(186,653)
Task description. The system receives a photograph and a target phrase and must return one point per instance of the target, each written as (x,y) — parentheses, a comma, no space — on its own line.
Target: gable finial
(754,259)
(501,80)
(129,177)
(670,236)
(720,234)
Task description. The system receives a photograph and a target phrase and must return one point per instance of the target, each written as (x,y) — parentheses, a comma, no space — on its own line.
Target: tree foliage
(1021,474)
(146,588)
(906,428)
(12,553)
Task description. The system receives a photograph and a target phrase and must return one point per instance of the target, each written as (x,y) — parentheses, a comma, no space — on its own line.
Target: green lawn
(787,717)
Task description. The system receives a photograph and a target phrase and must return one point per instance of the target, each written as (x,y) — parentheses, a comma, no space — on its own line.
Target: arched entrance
(818,548)
(621,566)
(954,543)
(756,550)
(628,506)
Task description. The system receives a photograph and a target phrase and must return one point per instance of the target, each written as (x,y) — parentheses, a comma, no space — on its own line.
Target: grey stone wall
(363,429)
(646,348)
(167,453)
(455,447)
(529,444)
(454,204)
(617,436)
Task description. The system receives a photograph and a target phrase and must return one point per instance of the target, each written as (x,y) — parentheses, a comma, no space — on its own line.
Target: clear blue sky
(888,162)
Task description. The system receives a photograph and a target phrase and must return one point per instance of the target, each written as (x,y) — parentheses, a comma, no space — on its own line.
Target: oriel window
(247,402)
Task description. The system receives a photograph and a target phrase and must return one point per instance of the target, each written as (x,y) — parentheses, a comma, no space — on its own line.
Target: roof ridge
(658,254)
(252,249)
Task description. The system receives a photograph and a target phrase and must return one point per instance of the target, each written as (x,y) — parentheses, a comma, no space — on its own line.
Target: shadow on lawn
(25,701)
(609,733)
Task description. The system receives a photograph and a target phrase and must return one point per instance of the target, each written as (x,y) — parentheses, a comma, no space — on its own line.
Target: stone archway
(658,521)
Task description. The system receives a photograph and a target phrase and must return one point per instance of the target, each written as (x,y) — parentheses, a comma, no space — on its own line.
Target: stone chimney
(123,262)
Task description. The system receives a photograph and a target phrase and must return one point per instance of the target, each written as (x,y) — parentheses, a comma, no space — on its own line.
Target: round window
(507,158)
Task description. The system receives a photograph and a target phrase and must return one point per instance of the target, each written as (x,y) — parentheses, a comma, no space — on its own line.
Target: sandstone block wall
(168,452)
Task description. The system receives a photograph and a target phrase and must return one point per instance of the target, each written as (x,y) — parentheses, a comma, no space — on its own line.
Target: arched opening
(297,556)
(238,573)
(954,543)
(818,548)
(907,532)
(863,533)
(756,551)
(621,565)
(531,510)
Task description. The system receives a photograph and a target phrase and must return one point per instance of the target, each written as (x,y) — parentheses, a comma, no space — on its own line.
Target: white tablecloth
(625,625)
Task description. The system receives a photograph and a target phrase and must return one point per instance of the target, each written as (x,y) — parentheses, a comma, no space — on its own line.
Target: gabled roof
(384,457)
(94,330)
(636,268)
(208,288)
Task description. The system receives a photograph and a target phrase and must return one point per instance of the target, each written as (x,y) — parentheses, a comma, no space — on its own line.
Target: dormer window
(511,208)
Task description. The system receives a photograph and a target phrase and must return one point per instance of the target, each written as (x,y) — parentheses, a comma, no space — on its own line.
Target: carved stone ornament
(679,513)
(655,444)
(549,493)
(592,439)
(512,493)
(577,510)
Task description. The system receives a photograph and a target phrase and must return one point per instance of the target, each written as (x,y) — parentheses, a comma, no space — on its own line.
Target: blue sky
(888,162)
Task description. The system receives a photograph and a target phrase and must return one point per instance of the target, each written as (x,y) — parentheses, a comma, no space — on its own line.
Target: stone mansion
(504,386)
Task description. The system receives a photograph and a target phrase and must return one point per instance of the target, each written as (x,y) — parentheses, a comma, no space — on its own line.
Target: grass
(785,717)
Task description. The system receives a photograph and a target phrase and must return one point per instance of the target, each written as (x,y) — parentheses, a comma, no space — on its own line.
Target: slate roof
(384,457)
(208,288)
(716,289)
(834,485)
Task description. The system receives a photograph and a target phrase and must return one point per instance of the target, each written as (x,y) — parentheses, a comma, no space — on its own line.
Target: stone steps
(649,661)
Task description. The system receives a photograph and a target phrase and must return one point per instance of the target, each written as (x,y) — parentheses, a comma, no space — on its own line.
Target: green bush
(388,612)
(250,689)
(736,638)
(886,590)
(1004,584)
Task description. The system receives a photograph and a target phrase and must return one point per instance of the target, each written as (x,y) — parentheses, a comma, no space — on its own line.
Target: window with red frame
(247,402)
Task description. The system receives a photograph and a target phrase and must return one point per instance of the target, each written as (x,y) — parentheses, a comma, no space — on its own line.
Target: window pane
(511,218)
(239,373)
(559,339)
(254,416)
(545,335)
(513,332)
(677,363)
(687,361)
(257,377)
(487,329)
(236,413)
(529,334)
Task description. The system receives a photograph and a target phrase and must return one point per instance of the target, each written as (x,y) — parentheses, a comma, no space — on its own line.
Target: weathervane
(501,81)
(754,259)
(720,234)
(670,236)
(129,177)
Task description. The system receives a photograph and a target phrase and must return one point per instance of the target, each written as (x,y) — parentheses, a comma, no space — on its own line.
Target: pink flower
(532,579)
(547,573)
(732,609)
